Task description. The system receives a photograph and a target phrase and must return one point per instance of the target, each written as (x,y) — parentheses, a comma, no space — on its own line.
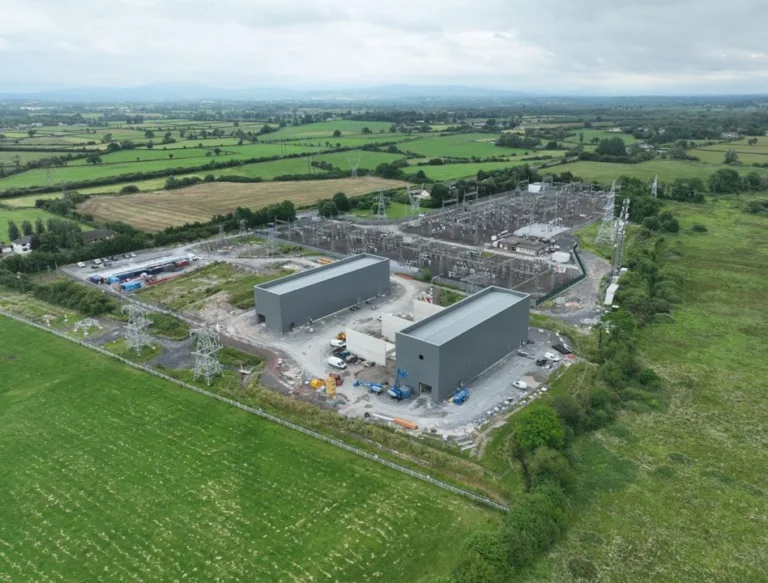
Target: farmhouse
(452,347)
(22,245)
(296,300)
(98,235)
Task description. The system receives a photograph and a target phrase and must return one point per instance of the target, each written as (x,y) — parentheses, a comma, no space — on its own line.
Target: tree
(537,426)
(731,158)
(13,231)
(94,159)
(483,559)
(581,137)
(367,130)
(341,201)
(217,151)
(170,156)
(326,208)
(113,147)
(569,411)
(547,464)
(26,228)
(150,145)
(106,138)
(336,133)
(752,141)
(39,226)
(31,133)
(149,134)
(129,189)
(611,147)
(725,181)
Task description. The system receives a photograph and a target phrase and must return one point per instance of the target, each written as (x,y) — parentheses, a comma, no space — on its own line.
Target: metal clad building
(457,344)
(294,300)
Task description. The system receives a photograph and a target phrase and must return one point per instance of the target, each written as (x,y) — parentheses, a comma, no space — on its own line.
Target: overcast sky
(552,46)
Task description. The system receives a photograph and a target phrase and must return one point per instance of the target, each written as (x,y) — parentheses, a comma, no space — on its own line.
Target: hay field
(111,474)
(155,211)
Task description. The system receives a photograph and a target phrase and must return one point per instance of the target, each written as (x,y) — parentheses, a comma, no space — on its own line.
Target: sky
(545,46)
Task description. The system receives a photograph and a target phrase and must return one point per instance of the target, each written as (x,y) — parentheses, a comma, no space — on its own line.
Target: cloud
(548,45)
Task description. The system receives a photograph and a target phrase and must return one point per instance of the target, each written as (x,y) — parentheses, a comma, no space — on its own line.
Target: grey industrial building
(455,345)
(297,299)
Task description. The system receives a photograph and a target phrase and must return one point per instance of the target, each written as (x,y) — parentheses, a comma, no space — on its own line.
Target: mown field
(110,473)
(459,146)
(591,133)
(680,494)
(155,211)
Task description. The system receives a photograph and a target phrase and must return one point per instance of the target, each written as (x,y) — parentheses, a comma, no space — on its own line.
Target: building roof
(89,236)
(26,240)
(457,319)
(531,244)
(297,281)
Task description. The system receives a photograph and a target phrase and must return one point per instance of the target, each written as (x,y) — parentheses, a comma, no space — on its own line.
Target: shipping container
(131,285)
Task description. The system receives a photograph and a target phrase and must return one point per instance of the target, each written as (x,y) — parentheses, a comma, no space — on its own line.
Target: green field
(28,201)
(25,214)
(110,473)
(325,129)
(746,156)
(395,210)
(590,134)
(680,494)
(666,170)
(454,171)
(459,146)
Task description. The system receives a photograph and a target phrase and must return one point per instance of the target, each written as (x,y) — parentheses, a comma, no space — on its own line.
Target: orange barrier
(405,423)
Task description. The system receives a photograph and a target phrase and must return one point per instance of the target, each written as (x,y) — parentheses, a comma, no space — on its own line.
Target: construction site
(422,322)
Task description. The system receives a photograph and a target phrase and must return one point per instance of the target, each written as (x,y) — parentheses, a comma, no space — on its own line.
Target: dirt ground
(154,211)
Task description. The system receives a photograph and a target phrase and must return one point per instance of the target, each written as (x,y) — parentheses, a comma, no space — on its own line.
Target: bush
(547,464)
(483,560)
(569,410)
(537,426)
(129,189)
(698,228)
(168,326)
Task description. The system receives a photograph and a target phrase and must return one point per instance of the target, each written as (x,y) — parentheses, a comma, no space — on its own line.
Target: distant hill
(198,91)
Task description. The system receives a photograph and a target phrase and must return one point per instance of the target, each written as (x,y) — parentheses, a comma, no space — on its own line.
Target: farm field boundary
(275,419)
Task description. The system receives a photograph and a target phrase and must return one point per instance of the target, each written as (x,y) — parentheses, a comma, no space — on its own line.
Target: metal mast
(353,164)
(207,363)
(415,201)
(381,206)
(621,235)
(607,232)
(136,335)
(655,187)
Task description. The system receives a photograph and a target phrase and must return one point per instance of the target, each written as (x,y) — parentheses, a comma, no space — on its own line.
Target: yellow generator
(330,387)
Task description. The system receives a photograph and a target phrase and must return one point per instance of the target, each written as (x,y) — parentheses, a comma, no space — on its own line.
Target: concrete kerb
(274,418)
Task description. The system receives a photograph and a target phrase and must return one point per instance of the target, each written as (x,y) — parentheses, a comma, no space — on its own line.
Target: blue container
(131,285)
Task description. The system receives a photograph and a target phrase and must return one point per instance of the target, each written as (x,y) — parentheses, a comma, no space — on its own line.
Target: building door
(260,318)
(425,388)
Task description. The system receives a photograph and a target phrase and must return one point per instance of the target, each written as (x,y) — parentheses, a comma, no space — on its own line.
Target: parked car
(552,356)
(522,385)
(336,343)
(133,254)
(97,261)
(562,348)
(542,362)
(80,264)
(126,256)
(336,362)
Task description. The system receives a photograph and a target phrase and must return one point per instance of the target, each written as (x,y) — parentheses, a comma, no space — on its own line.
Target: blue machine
(373,387)
(399,391)
(460,396)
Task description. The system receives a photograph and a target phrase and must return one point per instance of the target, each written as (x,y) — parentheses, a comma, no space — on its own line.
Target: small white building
(561,257)
(535,187)
(610,293)
(423,195)
(23,245)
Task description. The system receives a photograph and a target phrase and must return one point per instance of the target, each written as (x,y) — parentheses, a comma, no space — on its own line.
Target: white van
(552,356)
(336,362)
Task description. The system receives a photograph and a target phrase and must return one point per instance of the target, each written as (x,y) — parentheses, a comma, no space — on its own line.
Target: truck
(181,264)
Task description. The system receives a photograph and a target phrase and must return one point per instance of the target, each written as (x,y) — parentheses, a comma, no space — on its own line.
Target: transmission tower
(655,187)
(415,201)
(621,235)
(206,352)
(136,335)
(243,226)
(353,165)
(607,232)
(381,205)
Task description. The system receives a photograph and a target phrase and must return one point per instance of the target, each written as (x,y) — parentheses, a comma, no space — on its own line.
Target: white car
(336,362)
(552,356)
(336,343)
(97,261)
(80,264)
(522,385)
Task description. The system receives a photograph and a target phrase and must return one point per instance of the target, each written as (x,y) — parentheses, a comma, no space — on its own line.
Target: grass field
(459,146)
(110,473)
(454,171)
(325,129)
(746,156)
(28,201)
(666,170)
(25,214)
(590,134)
(155,211)
(680,495)
(395,210)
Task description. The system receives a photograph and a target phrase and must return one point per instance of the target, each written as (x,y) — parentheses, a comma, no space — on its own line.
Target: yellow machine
(330,387)
(341,336)
(317,383)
